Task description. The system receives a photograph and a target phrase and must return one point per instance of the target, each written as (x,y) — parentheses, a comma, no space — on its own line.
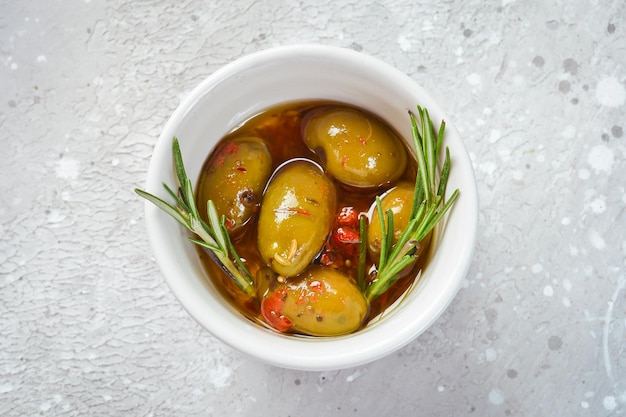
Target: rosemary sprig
(213,235)
(428,208)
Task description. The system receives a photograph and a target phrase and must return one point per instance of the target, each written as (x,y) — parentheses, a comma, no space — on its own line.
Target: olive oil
(281,129)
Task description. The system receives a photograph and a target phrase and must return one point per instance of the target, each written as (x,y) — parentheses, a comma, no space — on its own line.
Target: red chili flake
(348,216)
(363,140)
(346,235)
(302,299)
(327,258)
(229,223)
(271,310)
(344,160)
(302,212)
(228,149)
(294,210)
(220,159)
(242,169)
(316,286)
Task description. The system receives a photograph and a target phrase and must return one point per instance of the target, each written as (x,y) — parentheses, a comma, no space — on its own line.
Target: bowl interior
(244,88)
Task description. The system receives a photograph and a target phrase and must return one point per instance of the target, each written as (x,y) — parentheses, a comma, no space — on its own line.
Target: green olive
(322,302)
(357,149)
(235,176)
(400,200)
(295,217)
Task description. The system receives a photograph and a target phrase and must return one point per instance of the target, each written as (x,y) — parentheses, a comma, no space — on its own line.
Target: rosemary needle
(212,236)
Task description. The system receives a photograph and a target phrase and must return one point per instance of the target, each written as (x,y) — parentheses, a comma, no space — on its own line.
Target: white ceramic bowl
(242,89)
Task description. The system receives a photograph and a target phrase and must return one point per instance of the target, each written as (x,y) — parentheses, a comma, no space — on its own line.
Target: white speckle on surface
(610,92)
(441,388)
(536,268)
(573,250)
(182,95)
(106,397)
(490,354)
(517,175)
(220,376)
(67,168)
(596,240)
(541,157)
(4,388)
(355,375)
(565,221)
(427,25)
(115,162)
(600,158)
(584,174)
(494,136)
(55,216)
(473,79)
(598,205)
(567,285)
(504,154)
(495,39)
(14,66)
(465,283)
(119,109)
(488,168)
(404,43)
(569,132)
(609,402)
(45,406)
(496,396)
(548,291)
(42,58)
(566,301)
(584,404)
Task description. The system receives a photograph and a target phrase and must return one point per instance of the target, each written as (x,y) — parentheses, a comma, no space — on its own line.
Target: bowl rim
(333,352)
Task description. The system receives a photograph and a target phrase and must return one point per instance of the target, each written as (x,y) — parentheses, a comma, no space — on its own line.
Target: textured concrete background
(537,90)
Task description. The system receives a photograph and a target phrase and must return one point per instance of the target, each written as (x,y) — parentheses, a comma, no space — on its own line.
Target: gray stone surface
(537,90)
